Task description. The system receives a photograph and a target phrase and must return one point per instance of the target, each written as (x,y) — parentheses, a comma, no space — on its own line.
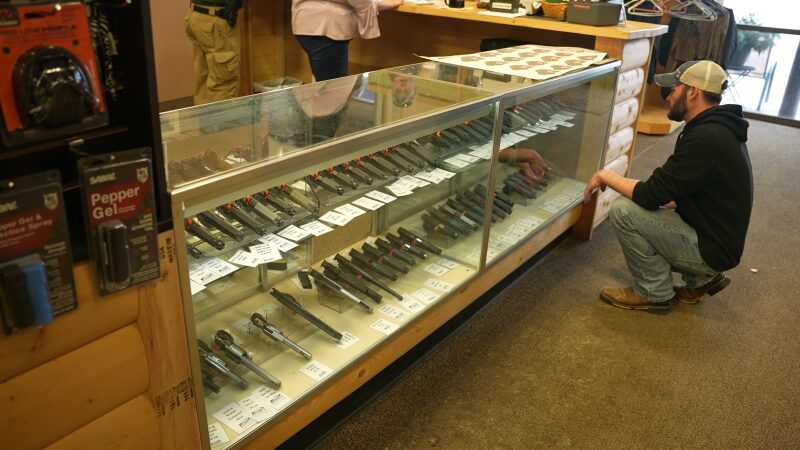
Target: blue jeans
(328,58)
(655,244)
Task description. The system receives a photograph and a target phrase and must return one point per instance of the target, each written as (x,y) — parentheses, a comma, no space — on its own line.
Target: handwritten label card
(293,233)
(380,196)
(425,296)
(393,312)
(347,340)
(283,244)
(316,228)
(266,252)
(335,218)
(316,370)
(368,203)
(349,210)
(436,269)
(384,326)
(217,434)
(438,284)
(235,417)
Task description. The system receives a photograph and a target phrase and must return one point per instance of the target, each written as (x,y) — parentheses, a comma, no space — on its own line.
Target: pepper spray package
(49,81)
(119,205)
(36,280)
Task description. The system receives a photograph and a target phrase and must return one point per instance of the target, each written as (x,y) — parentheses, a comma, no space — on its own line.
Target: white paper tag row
(426,296)
(269,396)
(294,233)
(283,245)
(335,218)
(268,252)
(444,262)
(316,228)
(316,370)
(347,341)
(409,303)
(439,285)
(393,312)
(380,196)
(235,417)
(368,203)
(436,270)
(384,326)
(259,410)
(244,258)
(349,210)
(217,435)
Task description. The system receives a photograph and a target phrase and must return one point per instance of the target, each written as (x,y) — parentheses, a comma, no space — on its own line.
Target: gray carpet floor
(547,365)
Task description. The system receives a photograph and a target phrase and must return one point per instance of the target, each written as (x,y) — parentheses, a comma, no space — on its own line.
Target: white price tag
(436,269)
(438,284)
(393,312)
(525,133)
(257,408)
(283,244)
(349,210)
(487,155)
(368,203)
(271,397)
(266,252)
(293,233)
(202,276)
(410,304)
(506,239)
(219,266)
(316,228)
(496,243)
(425,296)
(561,116)
(552,207)
(384,326)
(460,163)
(244,258)
(399,191)
(532,222)
(541,130)
(347,340)
(444,173)
(335,218)
(380,196)
(217,434)
(444,262)
(467,158)
(316,370)
(520,229)
(414,181)
(195,287)
(235,418)
(515,235)
(430,176)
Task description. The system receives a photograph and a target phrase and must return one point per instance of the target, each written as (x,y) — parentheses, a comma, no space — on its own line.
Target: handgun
(383,165)
(225,341)
(462,135)
(399,252)
(217,221)
(418,241)
(452,137)
(288,301)
(305,282)
(482,193)
(369,168)
(208,380)
(267,198)
(341,178)
(458,215)
(197,229)
(472,132)
(512,185)
(208,357)
(410,248)
(337,274)
(277,335)
(356,173)
(409,156)
(297,196)
(317,180)
(378,256)
(261,209)
(413,147)
(346,264)
(364,261)
(452,222)
(439,141)
(194,251)
(498,195)
(432,225)
(337,289)
(395,159)
(465,210)
(478,200)
(235,211)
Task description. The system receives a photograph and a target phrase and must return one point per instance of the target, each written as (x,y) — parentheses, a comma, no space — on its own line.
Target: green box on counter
(593,13)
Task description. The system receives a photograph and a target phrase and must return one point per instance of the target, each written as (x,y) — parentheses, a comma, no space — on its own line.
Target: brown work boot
(698,294)
(627,298)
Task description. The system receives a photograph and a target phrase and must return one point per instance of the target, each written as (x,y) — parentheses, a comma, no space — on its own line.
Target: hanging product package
(49,80)
(119,205)
(36,282)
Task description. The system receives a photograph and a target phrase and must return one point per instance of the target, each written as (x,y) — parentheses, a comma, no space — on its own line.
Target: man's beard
(678,110)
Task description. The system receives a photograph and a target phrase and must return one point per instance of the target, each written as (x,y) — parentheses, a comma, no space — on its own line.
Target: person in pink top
(324,29)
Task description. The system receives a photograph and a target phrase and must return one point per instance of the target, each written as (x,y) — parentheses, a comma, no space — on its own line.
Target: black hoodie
(710,179)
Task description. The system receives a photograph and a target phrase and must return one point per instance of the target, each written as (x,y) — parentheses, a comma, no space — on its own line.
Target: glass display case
(321,220)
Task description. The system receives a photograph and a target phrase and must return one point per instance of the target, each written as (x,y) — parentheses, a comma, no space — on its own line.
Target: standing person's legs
(200,67)
(327,57)
(219,46)
(656,243)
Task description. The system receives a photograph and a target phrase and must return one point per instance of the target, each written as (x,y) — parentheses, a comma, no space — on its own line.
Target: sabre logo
(10,206)
(111,176)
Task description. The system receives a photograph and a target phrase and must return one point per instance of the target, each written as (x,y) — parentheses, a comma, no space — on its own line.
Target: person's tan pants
(216,57)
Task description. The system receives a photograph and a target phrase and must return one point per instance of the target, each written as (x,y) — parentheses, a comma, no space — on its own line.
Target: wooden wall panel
(45,404)
(95,316)
(133,426)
